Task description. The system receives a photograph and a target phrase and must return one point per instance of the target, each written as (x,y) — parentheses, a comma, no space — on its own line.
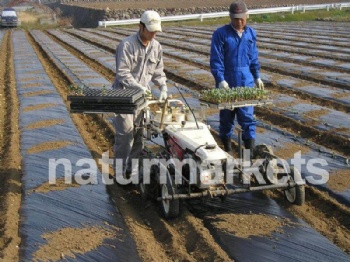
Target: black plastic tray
(98,95)
(106,108)
(98,100)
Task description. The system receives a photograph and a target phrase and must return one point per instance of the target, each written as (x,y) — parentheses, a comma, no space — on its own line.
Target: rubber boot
(227,144)
(250,144)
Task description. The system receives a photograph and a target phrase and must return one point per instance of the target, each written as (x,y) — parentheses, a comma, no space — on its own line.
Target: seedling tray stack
(119,101)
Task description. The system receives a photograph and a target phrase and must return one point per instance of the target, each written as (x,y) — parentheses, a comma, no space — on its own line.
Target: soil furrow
(325,138)
(321,101)
(323,213)
(10,160)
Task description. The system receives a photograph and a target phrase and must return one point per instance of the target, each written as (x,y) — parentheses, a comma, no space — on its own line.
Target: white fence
(291,9)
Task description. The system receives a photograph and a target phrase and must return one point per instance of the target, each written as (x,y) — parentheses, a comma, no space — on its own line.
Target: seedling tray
(119,101)
(234,105)
(118,95)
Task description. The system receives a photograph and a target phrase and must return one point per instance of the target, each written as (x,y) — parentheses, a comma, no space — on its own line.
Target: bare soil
(324,214)
(183,239)
(60,184)
(247,225)
(67,242)
(10,156)
(339,180)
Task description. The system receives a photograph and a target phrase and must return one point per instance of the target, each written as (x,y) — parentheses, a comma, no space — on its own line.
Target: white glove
(224,84)
(163,95)
(259,84)
(144,89)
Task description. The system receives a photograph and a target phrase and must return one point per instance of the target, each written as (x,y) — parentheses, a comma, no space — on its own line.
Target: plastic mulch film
(48,138)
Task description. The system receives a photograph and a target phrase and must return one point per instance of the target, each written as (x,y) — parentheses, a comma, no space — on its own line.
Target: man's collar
(139,37)
(236,29)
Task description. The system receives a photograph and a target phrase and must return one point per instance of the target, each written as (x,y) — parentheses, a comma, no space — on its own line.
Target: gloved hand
(259,84)
(224,84)
(163,95)
(143,88)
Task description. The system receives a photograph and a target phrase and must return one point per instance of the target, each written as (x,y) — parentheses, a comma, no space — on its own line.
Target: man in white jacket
(139,60)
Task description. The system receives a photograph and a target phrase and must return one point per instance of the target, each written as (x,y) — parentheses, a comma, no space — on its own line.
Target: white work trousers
(128,141)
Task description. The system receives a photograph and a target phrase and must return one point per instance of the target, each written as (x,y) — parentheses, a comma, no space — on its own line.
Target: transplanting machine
(182,159)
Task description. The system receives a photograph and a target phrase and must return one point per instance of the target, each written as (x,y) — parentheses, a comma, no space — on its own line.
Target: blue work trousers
(245,118)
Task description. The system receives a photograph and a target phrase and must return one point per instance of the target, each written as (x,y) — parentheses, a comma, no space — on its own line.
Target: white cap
(152,21)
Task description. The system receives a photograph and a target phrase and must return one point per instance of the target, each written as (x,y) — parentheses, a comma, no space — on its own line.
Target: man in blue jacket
(234,63)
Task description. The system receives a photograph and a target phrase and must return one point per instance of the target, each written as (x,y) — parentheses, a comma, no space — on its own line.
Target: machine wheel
(260,151)
(295,195)
(264,151)
(170,208)
(223,198)
(146,190)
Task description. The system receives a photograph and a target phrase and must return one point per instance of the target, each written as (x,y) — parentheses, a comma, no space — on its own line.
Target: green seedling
(238,94)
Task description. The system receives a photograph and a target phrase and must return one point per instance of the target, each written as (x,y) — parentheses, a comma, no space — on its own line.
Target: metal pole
(165,108)
(223,192)
(240,146)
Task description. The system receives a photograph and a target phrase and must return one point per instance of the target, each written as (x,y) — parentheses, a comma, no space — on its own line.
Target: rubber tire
(222,198)
(259,151)
(145,189)
(295,195)
(169,208)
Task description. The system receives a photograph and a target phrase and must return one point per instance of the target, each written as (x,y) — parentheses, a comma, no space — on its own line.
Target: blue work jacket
(234,59)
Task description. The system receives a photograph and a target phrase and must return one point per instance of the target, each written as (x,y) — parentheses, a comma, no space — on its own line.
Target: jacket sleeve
(254,64)
(123,61)
(159,77)
(217,67)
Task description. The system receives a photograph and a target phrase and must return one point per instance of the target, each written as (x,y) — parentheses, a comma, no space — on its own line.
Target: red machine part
(175,148)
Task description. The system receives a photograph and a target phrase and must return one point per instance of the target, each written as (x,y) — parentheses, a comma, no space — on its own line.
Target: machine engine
(197,154)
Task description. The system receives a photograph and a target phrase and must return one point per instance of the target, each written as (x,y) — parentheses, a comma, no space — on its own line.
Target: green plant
(148,94)
(75,90)
(238,94)
(185,109)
